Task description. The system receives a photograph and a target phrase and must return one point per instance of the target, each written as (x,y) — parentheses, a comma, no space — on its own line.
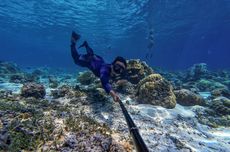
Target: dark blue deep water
(184,32)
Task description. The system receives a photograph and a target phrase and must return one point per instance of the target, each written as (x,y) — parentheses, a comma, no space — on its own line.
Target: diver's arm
(107,86)
(105,82)
(116,98)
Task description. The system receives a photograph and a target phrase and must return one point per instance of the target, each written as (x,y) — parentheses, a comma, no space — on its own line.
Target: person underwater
(149,54)
(97,65)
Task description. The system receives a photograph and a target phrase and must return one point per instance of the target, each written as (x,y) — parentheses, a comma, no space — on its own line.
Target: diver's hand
(116,98)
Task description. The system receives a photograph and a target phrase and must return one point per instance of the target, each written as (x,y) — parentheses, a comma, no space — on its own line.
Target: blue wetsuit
(95,63)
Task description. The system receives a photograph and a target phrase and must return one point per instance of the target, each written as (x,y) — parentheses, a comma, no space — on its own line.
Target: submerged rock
(53,83)
(17,78)
(5,93)
(209,85)
(97,94)
(31,78)
(23,78)
(227,82)
(197,71)
(33,90)
(137,70)
(155,90)
(5,140)
(8,95)
(221,105)
(86,78)
(211,118)
(2,80)
(124,86)
(95,142)
(221,92)
(8,68)
(38,72)
(66,91)
(188,98)
(63,91)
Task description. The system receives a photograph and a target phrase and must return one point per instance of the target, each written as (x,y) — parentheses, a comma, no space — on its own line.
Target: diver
(97,65)
(150,44)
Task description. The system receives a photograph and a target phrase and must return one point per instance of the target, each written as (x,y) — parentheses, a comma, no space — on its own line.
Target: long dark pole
(137,139)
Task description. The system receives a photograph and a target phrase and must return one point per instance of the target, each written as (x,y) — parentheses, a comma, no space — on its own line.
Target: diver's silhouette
(97,65)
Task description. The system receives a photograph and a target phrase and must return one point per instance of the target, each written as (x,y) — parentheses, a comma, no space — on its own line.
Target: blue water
(37,32)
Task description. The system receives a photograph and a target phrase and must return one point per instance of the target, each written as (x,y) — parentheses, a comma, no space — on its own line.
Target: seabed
(51,110)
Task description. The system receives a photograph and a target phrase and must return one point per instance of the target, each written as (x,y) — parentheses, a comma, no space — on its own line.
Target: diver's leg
(89,50)
(74,53)
(78,58)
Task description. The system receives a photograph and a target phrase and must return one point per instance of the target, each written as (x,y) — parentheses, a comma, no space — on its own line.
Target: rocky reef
(221,105)
(197,71)
(51,110)
(125,87)
(8,68)
(188,98)
(86,78)
(189,84)
(137,70)
(33,90)
(155,90)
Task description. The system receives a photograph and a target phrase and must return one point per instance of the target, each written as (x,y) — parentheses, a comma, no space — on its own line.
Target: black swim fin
(84,44)
(75,35)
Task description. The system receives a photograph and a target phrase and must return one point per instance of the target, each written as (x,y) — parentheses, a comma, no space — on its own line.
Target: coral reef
(53,83)
(23,78)
(197,71)
(33,90)
(17,78)
(209,85)
(8,68)
(38,72)
(221,105)
(137,70)
(27,125)
(97,94)
(66,91)
(7,95)
(2,80)
(220,92)
(31,78)
(188,98)
(86,134)
(198,79)
(53,112)
(211,118)
(86,78)
(124,86)
(154,89)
